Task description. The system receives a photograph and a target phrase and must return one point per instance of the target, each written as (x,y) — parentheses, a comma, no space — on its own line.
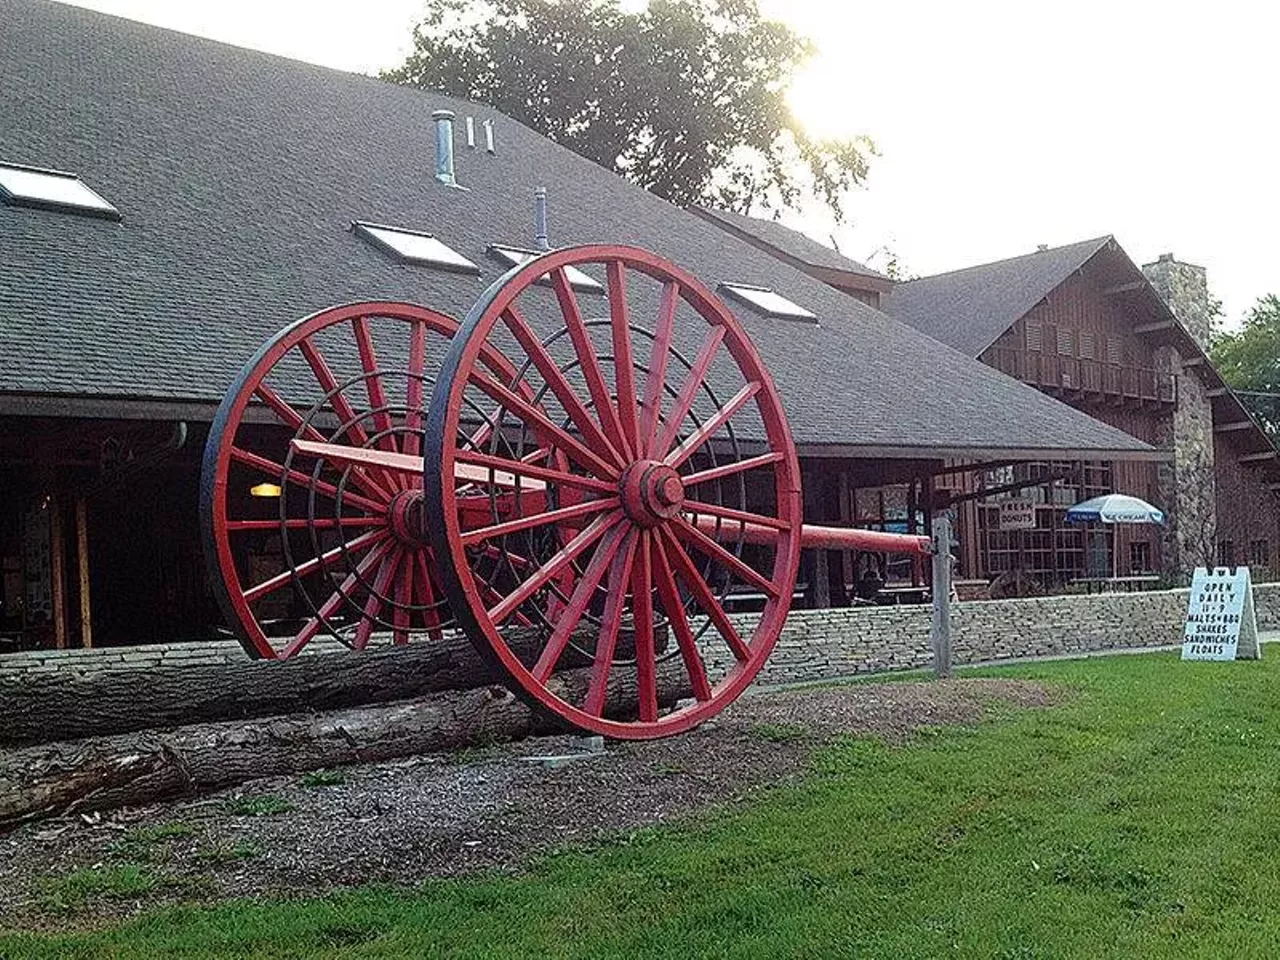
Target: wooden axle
(812,536)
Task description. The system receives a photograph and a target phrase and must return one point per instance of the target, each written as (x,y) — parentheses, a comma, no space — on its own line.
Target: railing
(1074,375)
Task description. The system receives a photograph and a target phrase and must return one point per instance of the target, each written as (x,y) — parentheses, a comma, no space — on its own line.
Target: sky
(999,125)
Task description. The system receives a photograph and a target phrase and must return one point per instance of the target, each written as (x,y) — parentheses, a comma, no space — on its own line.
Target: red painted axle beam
(811,536)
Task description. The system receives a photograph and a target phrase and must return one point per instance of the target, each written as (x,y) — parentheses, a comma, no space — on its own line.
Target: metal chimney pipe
(488,136)
(540,218)
(444,146)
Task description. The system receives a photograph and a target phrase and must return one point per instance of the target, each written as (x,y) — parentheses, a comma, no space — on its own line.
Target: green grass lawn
(1141,818)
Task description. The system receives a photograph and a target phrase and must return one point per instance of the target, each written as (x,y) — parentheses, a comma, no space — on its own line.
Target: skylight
(767,302)
(514,256)
(410,246)
(51,190)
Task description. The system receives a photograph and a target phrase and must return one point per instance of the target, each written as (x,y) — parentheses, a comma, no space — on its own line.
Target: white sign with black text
(1017,515)
(1220,620)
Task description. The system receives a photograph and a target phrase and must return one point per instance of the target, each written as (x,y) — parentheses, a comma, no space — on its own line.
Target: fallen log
(134,769)
(68,705)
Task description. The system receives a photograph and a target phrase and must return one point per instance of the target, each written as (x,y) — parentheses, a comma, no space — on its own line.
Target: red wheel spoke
(547,572)
(689,390)
(329,384)
(623,369)
(404,597)
(586,508)
(651,405)
(550,433)
(729,469)
(413,393)
(336,599)
(502,465)
(427,596)
(669,594)
(373,605)
(687,531)
(642,612)
(738,516)
(370,539)
(592,431)
(590,364)
(373,384)
(696,439)
(290,417)
(306,524)
(578,602)
(704,597)
(610,621)
(273,469)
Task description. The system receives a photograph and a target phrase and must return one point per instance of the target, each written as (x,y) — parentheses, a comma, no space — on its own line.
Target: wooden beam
(82,564)
(1217,392)
(1257,457)
(1273,486)
(1196,361)
(1156,327)
(1234,425)
(1124,288)
(58,573)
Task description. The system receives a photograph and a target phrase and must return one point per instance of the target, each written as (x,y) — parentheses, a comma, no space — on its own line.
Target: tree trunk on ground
(67,706)
(133,769)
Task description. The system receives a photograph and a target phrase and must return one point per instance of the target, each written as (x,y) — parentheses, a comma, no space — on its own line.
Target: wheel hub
(651,492)
(408,519)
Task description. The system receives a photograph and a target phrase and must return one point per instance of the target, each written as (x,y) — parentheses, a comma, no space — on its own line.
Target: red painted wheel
(307,543)
(646,477)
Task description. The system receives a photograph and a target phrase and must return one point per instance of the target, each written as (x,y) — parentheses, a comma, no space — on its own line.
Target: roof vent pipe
(1041,247)
(444,146)
(540,219)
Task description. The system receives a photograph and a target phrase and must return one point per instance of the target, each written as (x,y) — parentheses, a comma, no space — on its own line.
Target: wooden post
(58,573)
(82,563)
(940,631)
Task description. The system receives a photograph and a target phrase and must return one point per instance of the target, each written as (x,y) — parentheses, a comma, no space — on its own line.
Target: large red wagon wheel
(307,544)
(622,484)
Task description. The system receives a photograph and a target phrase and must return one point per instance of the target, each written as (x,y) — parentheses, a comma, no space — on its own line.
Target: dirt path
(444,815)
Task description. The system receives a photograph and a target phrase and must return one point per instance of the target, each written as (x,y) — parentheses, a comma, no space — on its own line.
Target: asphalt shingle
(969,309)
(238,175)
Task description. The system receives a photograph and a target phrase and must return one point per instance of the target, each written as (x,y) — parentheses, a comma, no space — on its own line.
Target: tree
(685,98)
(1249,360)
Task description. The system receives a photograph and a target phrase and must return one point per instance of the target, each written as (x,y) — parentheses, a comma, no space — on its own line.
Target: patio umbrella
(1114,508)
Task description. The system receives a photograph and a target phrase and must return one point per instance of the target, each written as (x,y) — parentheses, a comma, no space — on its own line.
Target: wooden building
(1127,345)
(169,203)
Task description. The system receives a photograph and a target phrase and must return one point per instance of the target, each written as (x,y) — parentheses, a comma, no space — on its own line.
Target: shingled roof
(969,309)
(789,242)
(238,175)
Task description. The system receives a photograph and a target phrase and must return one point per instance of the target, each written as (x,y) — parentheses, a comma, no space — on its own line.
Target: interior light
(265,490)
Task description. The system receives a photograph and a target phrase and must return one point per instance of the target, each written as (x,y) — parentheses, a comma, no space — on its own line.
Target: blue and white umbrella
(1115,508)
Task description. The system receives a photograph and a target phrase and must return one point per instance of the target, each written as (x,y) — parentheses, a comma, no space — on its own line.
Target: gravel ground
(430,816)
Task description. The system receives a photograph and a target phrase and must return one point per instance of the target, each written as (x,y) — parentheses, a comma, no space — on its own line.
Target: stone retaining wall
(818,644)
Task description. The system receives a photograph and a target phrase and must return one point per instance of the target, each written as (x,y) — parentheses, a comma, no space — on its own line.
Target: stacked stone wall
(815,644)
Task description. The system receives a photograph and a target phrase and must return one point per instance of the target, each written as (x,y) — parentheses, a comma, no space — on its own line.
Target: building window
(1035,337)
(1260,553)
(22,186)
(411,246)
(1139,557)
(1088,345)
(1115,349)
(517,256)
(1066,342)
(1226,553)
(766,301)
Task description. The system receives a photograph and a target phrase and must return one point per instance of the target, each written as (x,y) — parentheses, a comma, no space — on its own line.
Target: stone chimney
(1187,485)
(1184,288)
